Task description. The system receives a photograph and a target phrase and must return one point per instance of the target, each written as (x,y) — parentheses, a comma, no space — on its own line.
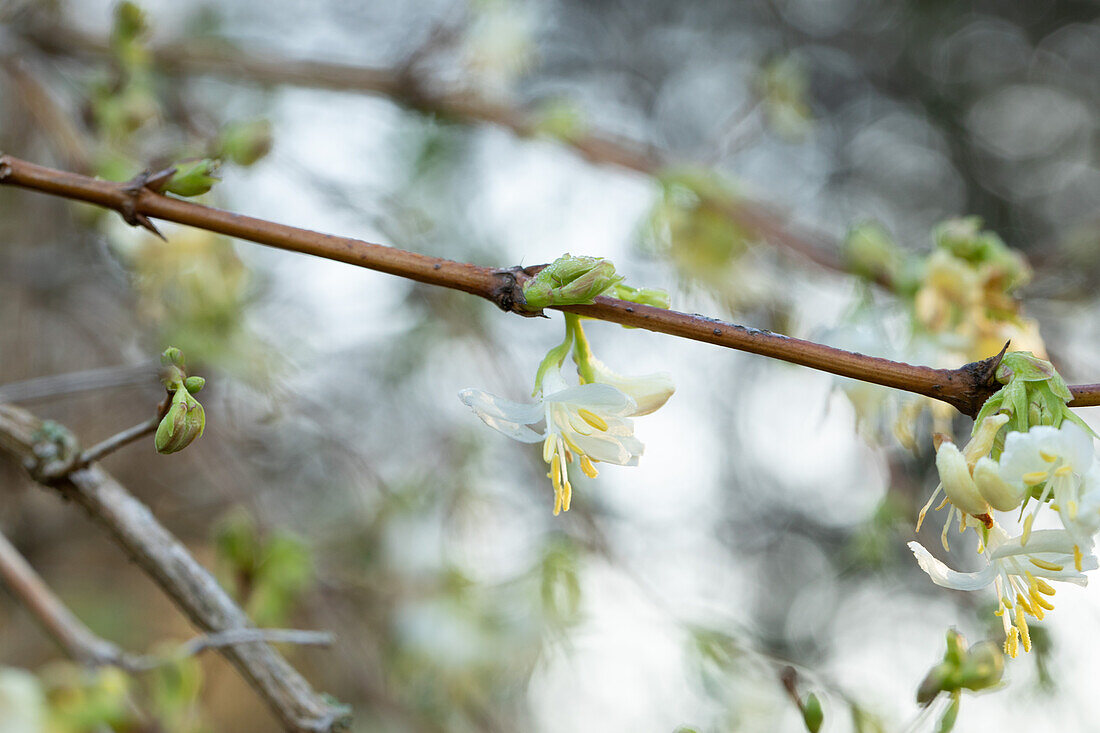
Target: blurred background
(786,164)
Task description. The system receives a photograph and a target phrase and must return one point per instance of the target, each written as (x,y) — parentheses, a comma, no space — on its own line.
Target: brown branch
(76,640)
(402,85)
(966,388)
(193,589)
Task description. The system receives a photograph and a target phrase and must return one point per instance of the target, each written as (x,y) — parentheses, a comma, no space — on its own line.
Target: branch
(84,646)
(75,639)
(966,388)
(402,85)
(181,577)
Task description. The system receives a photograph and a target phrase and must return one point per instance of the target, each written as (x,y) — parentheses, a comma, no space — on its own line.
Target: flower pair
(589,422)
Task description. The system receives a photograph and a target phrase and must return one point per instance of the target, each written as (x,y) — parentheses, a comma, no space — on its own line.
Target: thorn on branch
(146,180)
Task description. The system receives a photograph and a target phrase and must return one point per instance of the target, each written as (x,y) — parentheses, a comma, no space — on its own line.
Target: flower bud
(172,356)
(644,296)
(194,385)
(244,143)
(184,421)
(957,483)
(983,667)
(570,281)
(812,714)
(1002,496)
(193,178)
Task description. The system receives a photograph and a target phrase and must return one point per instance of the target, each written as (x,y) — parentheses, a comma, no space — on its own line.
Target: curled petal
(945,577)
(510,418)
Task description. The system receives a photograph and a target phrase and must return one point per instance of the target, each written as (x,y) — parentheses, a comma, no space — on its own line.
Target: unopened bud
(172,356)
(184,422)
(957,482)
(194,385)
(570,280)
(812,714)
(644,296)
(244,143)
(983,667)
(193,178)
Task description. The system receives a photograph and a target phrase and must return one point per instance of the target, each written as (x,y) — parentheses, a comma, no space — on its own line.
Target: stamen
(586,466)
(1077,557)
(946,526)
(1045,564)
(1027,529)
(1041,602)
(1071,506)
(1044,587)
(548,447)
(592,419)
(1011,642)
(1025,635)
(568,495)
(1063,470)
(1035,477)
(1023,605)
(1048,457)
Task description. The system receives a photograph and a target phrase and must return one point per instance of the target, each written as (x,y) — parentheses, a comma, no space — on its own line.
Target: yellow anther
(1077,557)
(1031,580)
(555,472)
(592,419)
(567,497)
(1063,470)
(1045,564)
(1048,457)
(1035,477)
(586,466)
(548,446)
(1025,635)
(557,502)
(1011,641)
(1071,507)
(1027,529)
(941,505)
(1044,587)
(1023,605)
(1039,601)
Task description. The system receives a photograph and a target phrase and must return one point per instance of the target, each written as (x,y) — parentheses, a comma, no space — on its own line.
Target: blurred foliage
(266,572)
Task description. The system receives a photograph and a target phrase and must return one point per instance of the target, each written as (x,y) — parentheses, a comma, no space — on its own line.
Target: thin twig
(116,441)
(57,385)
(966,388)
(193,589)
(220,640)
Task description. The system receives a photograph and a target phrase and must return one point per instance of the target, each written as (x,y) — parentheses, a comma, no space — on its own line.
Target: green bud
(570,280)
(872,253)
(983,667)
(193,178)
(644,296)
(194,385)
(1026,367)
(938,679)
(172,357)
(812,714)
(956,648)
(244,143)
(130,22)
(184,422)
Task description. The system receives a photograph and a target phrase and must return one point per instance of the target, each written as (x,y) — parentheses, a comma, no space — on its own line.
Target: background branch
(965,388)
(404,85)
(193,589)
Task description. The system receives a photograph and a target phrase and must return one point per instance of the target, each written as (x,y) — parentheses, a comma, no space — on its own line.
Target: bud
(872,253)
(194,385)
(570,280)
(184,422)
(193,178)
(172,356)
(812,714)
(983,667)
(644,296)
(244,143)
(957,483)
(1002,496)
(130,22)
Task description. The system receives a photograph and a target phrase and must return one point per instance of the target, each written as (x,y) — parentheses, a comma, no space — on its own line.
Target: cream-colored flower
(1018,573)
(649,391)
(589,422)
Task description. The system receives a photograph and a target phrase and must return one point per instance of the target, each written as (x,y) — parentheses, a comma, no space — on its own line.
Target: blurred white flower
(588,421)
(1019,574)
(22,702)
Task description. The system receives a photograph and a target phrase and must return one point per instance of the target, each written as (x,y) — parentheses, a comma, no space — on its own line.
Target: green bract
(1033,394)
(570,280)
(194,178)
(977,668)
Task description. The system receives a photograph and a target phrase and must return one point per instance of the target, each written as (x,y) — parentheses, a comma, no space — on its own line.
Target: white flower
(588,421)
(649,391)
(1019,575)
(1062,459)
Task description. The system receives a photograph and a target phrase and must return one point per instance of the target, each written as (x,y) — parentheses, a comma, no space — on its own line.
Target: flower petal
(510,418)
(944,576)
